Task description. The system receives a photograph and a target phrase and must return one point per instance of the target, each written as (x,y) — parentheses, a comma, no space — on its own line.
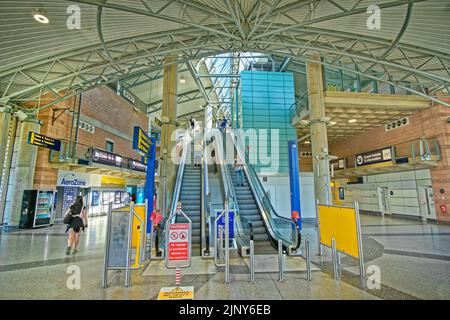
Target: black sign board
(377,156)
(43,141)
(136,165)
(107,158)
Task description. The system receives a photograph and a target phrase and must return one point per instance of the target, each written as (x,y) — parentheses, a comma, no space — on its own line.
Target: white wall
(403,185)
(280,194)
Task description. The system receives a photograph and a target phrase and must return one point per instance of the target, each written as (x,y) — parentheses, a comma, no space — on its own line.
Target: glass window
(109,146)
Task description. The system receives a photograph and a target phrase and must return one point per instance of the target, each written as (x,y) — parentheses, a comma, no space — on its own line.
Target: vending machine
(38,207)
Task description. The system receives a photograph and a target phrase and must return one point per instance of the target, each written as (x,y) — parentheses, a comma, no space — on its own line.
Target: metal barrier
(115,257)
(280,261)
(222,248)
(339,228)
(308,260)
(252,261)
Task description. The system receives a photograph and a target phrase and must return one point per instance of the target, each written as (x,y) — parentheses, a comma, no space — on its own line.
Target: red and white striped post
(178,277)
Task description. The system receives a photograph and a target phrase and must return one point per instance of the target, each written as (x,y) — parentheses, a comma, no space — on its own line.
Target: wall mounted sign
(43,141)
(136,165)
(129,96)
(141,141)
(108,158)
(73,179)
(377,156)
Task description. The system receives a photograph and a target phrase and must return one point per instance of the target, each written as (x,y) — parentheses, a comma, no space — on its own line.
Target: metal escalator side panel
(263,201)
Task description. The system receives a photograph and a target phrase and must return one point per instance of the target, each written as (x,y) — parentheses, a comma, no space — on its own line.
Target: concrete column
(319,140)
(5,118)
(24,165)
(168,126)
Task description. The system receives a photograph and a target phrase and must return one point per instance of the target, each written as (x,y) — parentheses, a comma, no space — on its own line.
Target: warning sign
(178,248)
(174,293)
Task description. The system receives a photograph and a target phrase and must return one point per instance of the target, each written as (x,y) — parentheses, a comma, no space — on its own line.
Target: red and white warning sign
(178,242)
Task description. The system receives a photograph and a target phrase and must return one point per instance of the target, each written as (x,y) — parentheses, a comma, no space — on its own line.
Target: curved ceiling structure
(128,40)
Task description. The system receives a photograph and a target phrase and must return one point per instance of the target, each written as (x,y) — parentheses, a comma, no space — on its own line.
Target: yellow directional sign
(141,141)
(174,293)
(43,141)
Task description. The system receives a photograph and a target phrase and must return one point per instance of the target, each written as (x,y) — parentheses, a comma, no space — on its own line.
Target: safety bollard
(334,259)
(280,261)
(252,262)
(308,261)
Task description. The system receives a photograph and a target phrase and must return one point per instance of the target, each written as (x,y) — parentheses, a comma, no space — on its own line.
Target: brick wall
(45,175)
(104,105)
(429,123)
(101,104)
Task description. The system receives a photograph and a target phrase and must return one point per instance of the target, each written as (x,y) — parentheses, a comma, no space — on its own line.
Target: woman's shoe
(68,251)
(75,251)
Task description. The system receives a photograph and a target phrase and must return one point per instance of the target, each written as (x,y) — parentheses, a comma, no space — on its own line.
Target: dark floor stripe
(406,234)
(418,254)
(33,234)
(50,262)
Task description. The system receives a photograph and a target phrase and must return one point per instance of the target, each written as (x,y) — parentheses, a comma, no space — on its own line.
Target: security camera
(21,115)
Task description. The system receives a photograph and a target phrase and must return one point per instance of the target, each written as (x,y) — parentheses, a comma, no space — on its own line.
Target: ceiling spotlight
(352,121)
(182,80)
(307,142)
(41,18)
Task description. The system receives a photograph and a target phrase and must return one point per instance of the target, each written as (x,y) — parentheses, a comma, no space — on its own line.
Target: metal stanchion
(107,244)
(128,262)
(318,228)
(252,261)
(334,259)
(308,260)
(227,243)
(362,270)
(280,261)
(221,244)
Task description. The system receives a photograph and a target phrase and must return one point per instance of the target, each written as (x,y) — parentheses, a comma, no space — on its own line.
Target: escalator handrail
(259,198)
(228,185)
(177,187)
(180,173)
(205,206)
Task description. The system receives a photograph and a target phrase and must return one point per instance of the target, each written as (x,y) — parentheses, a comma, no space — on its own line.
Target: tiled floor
(414,260)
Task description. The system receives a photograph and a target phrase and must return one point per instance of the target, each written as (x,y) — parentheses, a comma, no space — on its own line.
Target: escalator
(189,190)
(248,210)
(256,219)
(190,197)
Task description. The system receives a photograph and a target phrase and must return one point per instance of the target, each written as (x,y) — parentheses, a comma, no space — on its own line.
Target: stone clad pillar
(24,162)
(168,126)
(318,126)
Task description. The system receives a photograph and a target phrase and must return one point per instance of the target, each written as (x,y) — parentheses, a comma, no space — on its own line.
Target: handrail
(204,205)
(265,207)
(177,187)
(227,183)
(180,173)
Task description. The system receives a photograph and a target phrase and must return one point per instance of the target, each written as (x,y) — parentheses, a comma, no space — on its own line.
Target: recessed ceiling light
(182,80)
(352,121)
(39,17)
(307,142)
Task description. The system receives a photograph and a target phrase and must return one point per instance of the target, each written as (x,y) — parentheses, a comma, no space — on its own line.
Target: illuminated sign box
(43,141)
(107,158)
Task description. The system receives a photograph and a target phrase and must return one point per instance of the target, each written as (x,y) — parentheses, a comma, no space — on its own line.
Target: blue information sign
(221,222)
(141,141)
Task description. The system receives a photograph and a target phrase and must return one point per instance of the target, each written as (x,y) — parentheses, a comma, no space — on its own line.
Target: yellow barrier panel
(339,223)
(136,233)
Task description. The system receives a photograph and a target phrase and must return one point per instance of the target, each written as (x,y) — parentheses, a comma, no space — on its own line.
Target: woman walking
(78,221)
